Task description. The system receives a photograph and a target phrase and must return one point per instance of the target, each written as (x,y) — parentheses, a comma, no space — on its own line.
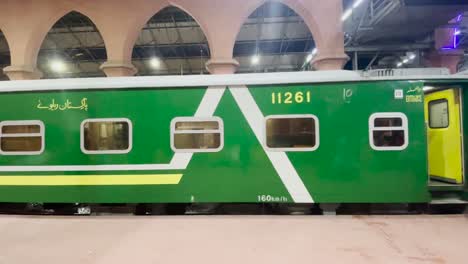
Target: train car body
(322,137)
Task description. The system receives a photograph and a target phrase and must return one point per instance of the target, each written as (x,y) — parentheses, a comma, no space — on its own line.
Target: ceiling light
(255,59)
(357,3)
(427,88)
(311,55)
(57,65)
(155,62)
(412,56)
(405,61)
(346,14)
(399,64)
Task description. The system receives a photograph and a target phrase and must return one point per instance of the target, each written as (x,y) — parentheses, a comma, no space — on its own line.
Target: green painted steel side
(343,169)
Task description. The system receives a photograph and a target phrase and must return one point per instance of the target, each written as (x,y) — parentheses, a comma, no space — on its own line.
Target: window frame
(15,135)
(404,127)
(429,112)
(95,152)
(220,130)
(295,116)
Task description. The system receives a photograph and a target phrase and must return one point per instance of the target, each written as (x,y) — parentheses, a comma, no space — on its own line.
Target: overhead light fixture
(427,88)
(412,56)
(255,59)
(155,62)
(57,65)
(346,14)
(405,61)
(399,64)
(311,55)
(357,3)
(314,51)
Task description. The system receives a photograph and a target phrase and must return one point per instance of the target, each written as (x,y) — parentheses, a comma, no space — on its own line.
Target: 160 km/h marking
(272,198)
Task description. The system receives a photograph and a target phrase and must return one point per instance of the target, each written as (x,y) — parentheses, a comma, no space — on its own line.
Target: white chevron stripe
(280,160)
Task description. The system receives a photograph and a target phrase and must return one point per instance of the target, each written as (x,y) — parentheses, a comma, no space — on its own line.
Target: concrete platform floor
(234,239)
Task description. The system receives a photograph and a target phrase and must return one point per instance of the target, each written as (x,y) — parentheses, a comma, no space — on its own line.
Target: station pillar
(222,66)
(23,72)
(118,69)
(329,62)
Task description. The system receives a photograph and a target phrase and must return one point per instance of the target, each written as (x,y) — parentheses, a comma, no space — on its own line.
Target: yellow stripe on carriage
(90,180)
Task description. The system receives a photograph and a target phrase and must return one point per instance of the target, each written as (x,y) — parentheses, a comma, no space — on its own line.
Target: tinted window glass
(388,122)
(16,144)
(389,138)
(197,141)
(106,135)
(16,129)
(290,132)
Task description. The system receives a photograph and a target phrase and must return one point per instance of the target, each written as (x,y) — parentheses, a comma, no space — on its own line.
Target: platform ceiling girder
(273,30)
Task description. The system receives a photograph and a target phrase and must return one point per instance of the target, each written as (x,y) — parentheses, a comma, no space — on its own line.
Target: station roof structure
(274,38)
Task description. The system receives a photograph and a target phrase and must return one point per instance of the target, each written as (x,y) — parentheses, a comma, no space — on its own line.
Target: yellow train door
(442,113)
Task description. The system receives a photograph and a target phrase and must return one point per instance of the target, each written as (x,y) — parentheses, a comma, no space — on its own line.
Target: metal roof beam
(189,46)
(179,41)
(375,48)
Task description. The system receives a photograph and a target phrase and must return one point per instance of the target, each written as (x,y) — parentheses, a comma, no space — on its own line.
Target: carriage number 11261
(290,98)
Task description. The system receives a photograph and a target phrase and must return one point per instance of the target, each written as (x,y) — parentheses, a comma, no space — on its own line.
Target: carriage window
(192,134)
(438,114)
(388,131)
(106,136)
(292,132)
(21,137)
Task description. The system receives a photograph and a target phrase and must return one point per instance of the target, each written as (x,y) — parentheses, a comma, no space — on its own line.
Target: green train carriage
(308,137)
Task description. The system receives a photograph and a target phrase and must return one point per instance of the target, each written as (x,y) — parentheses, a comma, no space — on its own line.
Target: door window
(438,114)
